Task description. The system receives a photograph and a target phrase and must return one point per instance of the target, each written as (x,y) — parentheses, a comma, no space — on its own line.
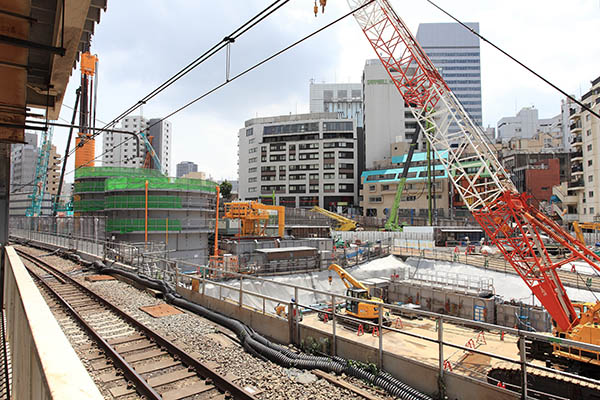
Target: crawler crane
(509,219)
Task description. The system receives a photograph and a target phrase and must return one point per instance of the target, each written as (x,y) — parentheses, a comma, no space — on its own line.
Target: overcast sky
(142,43)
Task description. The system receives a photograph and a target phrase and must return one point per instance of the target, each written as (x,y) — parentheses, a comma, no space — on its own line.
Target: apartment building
(299,160)
(122,150)
(584,186)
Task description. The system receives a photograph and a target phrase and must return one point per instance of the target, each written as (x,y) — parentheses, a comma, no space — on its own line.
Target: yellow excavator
(344,224)
(357,308)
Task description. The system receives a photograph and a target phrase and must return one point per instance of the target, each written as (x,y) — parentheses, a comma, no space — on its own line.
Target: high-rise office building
(23,163)
(387,119)
(185,167)
(455,52)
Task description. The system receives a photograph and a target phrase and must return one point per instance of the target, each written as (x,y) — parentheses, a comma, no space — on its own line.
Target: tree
(225,187)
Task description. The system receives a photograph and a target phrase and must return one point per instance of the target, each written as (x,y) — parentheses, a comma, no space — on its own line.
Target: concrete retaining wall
(44,365)
(442,301)
(270,326)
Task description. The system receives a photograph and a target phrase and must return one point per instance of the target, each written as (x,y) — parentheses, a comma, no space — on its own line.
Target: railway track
(130,357)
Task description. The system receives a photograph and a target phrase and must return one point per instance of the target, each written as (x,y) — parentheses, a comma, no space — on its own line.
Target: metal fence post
(380,353)
(440,329)
(296,316)
(203,281)
(333,347)
(241,291)
(523,357)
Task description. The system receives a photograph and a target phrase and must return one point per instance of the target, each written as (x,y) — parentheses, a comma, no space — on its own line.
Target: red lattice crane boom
(512,223)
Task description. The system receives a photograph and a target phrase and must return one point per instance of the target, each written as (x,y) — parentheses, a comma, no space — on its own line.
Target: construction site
(427,274)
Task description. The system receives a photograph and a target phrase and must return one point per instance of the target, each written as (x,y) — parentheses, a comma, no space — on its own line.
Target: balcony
(576,185)
(576,156)
(575,127)
(577,141)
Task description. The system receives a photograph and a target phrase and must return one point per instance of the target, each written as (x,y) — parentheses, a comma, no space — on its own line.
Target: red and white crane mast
(513,225)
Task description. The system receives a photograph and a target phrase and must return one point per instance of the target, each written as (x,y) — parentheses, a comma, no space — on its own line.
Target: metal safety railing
(302,299)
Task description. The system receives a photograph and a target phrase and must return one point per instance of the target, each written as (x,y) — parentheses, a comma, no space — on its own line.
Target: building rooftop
(293,118)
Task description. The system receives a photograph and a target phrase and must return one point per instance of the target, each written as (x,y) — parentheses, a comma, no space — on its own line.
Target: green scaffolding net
(87,172)
(89,186)
(88,205)
(162,183)
(138,225)
(140,202)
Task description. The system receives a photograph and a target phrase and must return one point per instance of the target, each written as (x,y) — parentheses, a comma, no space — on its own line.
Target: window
(281,168)
(277,147)
(346,166)
(297,177)
(292,147)
(251,189)
(269,168)
(251,160)
(589,147)
(337,126)
(267,178)
(375,199)
(313,177)
(590,162)
(277,157)
(306,146)
(292,157)
(297,188)
(346,176)
(346,187)
(252,179)
(371,188)
(329,154)
(588,132)
(291,128)
(346,154)
(313,188)
(308,156)
(591,178)
(329,187)
(249,131)
(591,210)
(251,170)
(591,194)
(253,150)
(329,175)
(385,187)
(263,158)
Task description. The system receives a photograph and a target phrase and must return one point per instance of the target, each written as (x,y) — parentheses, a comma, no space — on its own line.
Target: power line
(226,82)
(188,68)
(581,104)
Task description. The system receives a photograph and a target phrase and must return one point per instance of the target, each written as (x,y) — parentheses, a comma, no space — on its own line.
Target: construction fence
(83,227)
(139,202)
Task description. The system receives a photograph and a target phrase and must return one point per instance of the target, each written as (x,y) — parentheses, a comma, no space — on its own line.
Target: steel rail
(140,383)
(220,382)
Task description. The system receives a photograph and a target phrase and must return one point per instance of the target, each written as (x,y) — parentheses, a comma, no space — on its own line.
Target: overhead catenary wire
(581,104)
(239,75)
(195,63)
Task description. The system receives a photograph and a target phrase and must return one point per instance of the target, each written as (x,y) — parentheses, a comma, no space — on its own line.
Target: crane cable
(581,104)
(226,82)
(188,68)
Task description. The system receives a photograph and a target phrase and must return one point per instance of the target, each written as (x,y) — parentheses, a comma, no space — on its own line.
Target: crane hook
(316,9)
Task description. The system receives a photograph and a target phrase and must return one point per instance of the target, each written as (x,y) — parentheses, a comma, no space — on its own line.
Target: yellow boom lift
(357,308)
(344,224)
